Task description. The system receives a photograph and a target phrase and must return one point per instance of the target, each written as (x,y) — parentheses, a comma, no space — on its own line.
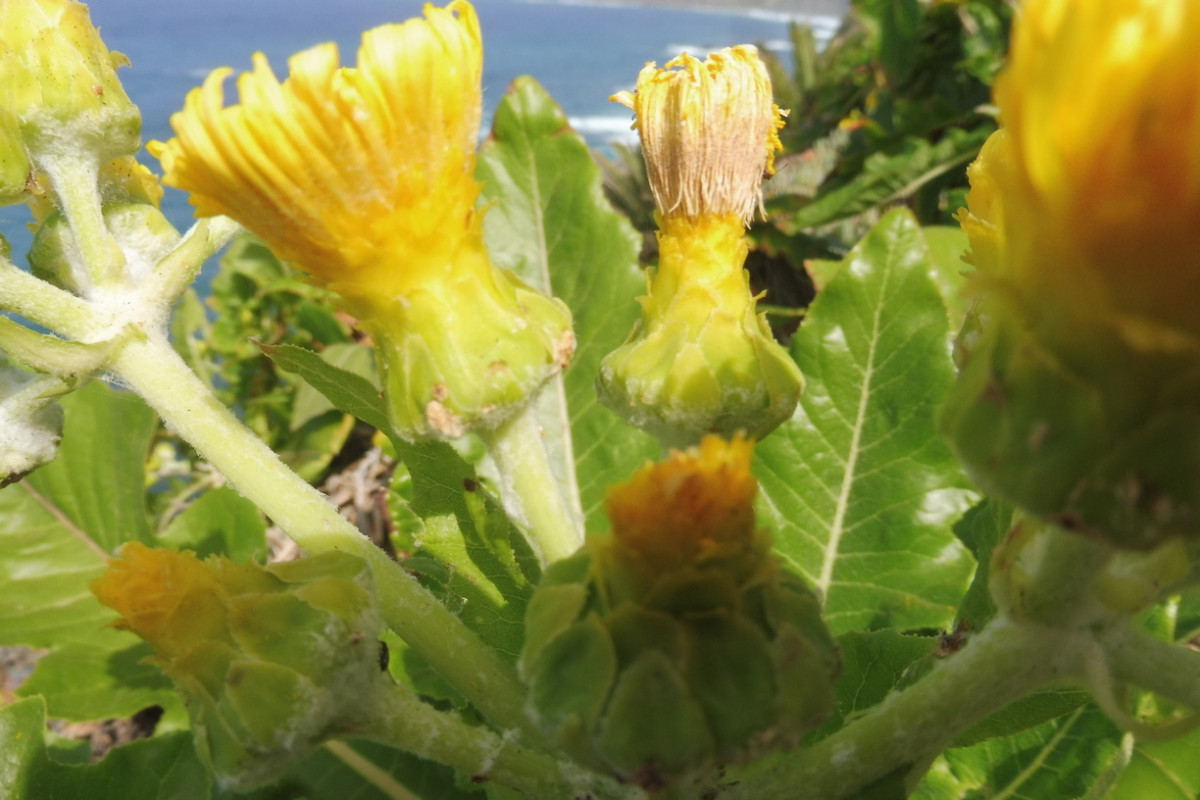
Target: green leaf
(1161,770)
(346,390)
(82,683)
(860,490)
(359,770)
(59,526)
(887,176)
(465,549)
(1063,758)
(549,222)
(1026,713)
(947,245)
(98,480)
(221,522)
(161,768)
(873,664)
(349,356)
(981,529)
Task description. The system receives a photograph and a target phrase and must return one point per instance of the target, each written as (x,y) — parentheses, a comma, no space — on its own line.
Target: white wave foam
(609,128)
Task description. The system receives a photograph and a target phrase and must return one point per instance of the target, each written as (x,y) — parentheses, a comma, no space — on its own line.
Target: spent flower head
(709,131)
(701,359)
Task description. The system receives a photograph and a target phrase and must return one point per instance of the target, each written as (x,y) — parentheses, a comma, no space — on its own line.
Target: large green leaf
(59,526)
(360,771)
(1064,758)
(549,222)
(859,488)
(162,768)
(873,664)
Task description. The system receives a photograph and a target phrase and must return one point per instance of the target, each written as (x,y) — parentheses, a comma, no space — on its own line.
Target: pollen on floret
(695,503)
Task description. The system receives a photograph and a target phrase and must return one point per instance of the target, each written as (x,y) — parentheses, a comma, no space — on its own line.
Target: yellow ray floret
(337,166)
(709,131)
(696,502)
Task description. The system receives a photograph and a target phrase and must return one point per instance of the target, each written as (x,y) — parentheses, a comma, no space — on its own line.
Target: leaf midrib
(837,525)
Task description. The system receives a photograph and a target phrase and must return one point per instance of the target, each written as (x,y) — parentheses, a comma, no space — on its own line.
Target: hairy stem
(1169,670)
(1001,664)
(530,489)
(152,368)
(400,719)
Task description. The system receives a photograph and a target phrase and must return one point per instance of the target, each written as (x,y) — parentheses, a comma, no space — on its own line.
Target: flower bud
(701,359)
(364,178)
(141,235)
(60,81)
(270,661)
(1079,396)
(678,643)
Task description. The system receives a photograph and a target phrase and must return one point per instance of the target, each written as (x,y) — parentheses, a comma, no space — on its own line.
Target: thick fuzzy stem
(530,489)
(152,368)
(1001,664)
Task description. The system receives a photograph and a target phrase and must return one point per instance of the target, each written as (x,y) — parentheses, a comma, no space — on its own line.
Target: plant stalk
(399,718)
(999,665)
(152,368)
(529,488)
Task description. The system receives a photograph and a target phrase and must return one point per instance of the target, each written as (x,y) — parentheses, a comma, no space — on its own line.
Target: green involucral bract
(660,676)
(270,661)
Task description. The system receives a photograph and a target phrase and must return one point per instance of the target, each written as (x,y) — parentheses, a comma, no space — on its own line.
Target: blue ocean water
(581,53)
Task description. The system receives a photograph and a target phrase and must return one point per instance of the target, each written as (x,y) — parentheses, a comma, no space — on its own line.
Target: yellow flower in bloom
(694,503)
(702,359)
(1100,170)
(364,177)
(1079,397)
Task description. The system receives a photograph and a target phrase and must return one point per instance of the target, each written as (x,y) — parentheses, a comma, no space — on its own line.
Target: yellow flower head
(696,503)
(709,131)
(363,176)
(1100,169)
(170,598)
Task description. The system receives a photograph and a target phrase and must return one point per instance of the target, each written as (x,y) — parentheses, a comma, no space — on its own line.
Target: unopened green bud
(678,643)
(60,81)
(270,661)
(141,235)
(30,421)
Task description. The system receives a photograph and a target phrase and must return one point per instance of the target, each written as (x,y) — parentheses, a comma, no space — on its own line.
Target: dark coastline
(834,8)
